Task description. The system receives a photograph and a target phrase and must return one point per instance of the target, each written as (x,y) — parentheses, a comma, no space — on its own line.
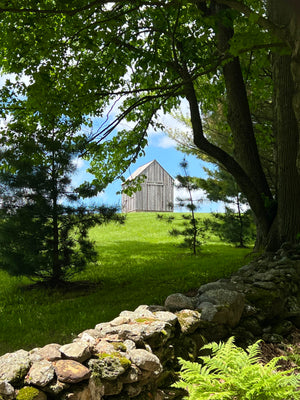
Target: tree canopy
(43,226)
(127,60)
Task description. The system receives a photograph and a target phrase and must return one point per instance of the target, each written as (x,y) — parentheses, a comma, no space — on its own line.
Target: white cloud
(234,207)
(78,162)
(12,77)
(165,142)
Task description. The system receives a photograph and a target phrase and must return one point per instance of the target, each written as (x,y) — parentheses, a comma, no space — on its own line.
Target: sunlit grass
(139,263)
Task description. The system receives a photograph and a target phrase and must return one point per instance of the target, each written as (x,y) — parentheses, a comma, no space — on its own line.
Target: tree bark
(245,166)
(286,100)
(56,267)
(295,67)
(239,116)
(247,186)
(275,225)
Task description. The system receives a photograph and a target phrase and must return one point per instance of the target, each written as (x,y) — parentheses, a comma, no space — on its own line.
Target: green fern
(233,373)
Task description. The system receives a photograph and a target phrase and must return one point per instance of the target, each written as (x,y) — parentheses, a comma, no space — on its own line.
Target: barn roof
(141,169)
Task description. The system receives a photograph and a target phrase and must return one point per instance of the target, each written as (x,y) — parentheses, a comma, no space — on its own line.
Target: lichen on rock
(109,366)
(189,320)
(14,366)
(30,393)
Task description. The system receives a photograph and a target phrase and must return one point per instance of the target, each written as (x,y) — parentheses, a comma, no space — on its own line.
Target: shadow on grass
(78,287)
(138,264)
(137,261)
(128,273)
(138,250)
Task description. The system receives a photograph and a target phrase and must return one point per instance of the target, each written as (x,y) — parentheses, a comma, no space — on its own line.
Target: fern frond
(232,372)
(271,365)
(254,352)
(199,394)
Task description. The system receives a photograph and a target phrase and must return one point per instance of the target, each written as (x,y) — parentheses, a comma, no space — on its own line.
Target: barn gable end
(157,190)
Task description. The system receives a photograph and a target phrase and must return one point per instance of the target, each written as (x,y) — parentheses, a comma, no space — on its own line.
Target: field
(139,263)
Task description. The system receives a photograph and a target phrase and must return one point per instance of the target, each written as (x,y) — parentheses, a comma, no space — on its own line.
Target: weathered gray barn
(157,193)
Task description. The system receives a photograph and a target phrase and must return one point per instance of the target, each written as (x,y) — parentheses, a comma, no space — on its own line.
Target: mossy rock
(31,393)
(119,346)
(189,320)
(109,366)
(145,320)
(270,302)
(123,360)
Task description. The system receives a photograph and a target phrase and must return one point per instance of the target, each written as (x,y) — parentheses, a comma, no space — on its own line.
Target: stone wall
(135,355)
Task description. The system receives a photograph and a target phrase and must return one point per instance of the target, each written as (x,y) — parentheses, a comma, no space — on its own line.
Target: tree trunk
(240,121)
(241,222)
(246,166)
(295,67)
(56,267)
(239,116)
(247,186)
(275,225)
(286,113)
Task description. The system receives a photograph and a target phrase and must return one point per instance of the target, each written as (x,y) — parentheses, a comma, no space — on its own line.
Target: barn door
(155,197)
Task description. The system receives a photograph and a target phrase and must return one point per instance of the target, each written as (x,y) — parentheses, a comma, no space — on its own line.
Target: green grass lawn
(139,263)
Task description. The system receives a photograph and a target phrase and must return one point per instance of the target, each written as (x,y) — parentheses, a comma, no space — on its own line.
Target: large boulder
(14,366)
(41,373)
(50,352)
(222,306)
(145,360)
(70,371)
(178,301)
(189,320)
(77,351)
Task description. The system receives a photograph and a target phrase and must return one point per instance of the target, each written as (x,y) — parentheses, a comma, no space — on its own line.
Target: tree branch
(231,165)
(280,32)
(60,11)
(76,10)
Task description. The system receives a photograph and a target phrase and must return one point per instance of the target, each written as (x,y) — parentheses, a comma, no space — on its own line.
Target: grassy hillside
(139,263)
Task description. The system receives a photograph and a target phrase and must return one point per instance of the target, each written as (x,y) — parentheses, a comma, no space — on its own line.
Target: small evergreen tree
(193,228)
(234,225)
(43,230)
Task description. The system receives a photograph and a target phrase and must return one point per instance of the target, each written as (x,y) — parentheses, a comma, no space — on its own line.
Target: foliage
(107,41)
(236,224)
(131,258)
(43,230)
(233,373)
(193,231)
(193,228)
(221,186)
(130,61)
(233,227)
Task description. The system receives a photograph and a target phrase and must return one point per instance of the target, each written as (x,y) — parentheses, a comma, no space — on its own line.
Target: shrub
(233,373)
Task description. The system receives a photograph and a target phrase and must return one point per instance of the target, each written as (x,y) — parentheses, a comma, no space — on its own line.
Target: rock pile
(261,300)
(131,356)
(135,355)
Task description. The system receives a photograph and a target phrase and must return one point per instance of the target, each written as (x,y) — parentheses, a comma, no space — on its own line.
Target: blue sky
(161,148)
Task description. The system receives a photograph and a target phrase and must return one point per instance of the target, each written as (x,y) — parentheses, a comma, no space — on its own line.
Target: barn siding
(157,191)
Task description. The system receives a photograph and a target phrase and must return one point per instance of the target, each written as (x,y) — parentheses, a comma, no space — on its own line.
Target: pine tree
(43,229)
(236,224)
(193,229)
